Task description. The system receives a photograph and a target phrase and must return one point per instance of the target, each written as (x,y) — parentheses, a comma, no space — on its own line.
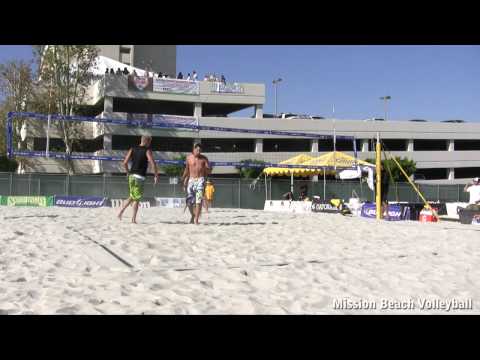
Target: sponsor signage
(80,201)
(176,86)
(288,206)
(140,83)
(220,87)
(395,212)
(144,203)
(41,201)
(171,86)
(324,207)
(170,202)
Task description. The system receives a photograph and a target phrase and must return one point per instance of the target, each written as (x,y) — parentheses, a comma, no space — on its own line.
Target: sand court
(86,261)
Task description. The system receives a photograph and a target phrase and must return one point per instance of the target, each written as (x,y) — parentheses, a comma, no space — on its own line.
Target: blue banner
(395,212)
(79,201)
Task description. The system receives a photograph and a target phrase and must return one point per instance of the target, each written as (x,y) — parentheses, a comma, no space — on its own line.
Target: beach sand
(86,261)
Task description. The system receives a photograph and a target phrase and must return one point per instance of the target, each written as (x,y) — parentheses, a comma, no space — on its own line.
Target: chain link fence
(229,193)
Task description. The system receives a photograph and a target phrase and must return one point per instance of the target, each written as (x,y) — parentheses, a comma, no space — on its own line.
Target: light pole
(385,98)
(275,82)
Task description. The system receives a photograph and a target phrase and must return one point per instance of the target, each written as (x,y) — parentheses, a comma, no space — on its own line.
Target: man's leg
(190,208)
(198,210)
(126,204)
(135,210)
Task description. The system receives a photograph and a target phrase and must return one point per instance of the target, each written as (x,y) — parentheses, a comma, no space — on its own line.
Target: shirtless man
(196,170)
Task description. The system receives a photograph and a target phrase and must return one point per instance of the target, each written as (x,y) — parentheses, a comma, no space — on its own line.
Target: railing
(229,193)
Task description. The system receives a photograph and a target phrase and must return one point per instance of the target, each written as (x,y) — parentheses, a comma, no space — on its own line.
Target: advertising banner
(301,207)
(41,201)
(79,201)
(324,207)
(395,212)
(140,83)
(220,87)
(176,86)
(170,202)
(144,203)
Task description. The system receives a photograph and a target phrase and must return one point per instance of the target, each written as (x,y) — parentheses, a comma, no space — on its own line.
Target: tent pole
(324,182)
(266,193)
(378,163)
(291,183)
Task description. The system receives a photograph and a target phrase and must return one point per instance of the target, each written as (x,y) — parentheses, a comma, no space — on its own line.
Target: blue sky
(425,82)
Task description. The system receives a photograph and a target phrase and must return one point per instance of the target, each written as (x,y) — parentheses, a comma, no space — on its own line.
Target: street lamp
(385,98)
(275,82)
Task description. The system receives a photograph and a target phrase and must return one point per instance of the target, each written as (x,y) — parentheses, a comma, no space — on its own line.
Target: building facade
(445,153)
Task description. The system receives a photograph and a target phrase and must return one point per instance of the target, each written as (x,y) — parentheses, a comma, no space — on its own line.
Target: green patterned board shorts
(135,186)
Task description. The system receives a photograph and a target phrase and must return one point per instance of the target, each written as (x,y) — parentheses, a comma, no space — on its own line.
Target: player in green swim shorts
(140,156)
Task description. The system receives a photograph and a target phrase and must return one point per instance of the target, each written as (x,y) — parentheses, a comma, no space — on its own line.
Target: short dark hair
(197,145)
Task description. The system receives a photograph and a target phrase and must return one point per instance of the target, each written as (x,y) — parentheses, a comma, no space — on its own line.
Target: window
(286,145)
(430,145)
(341,145)
(432,174)
(467,172)
(467,145)
(228,145)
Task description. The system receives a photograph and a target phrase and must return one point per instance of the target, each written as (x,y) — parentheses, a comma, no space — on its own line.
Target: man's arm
(127,159)
(465,189)
(153,164)
(186,173)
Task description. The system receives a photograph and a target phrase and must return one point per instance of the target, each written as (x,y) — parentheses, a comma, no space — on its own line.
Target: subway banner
(41,201)
(172,86)
(176,86)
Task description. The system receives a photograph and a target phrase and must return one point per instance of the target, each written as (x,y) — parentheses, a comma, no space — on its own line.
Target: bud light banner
(395,212)
(176,86)
(140,83)
(79,201)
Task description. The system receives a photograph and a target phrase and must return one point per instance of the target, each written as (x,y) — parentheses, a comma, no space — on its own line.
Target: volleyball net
(153,122)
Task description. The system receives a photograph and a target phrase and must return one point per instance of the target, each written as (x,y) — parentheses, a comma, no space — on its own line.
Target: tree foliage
(174,170)
(250,172)
(388,164)
(65,76)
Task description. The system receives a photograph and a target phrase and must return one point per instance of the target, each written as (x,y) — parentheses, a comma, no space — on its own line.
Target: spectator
(180,75)
(165,76)
(134,73)
(223,79)
(209,190)
(112,72)
(303,193)
(288,196)
(205,78)
(474,190)
(160,75)
(188,77)
(119,72)
(125,71)
(194,75)
(106,71)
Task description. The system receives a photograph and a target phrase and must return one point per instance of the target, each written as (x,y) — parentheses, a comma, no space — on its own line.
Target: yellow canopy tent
(277,171)
(330,162)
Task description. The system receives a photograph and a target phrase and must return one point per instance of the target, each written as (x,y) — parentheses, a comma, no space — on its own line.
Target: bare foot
(191,220)
(134,221)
